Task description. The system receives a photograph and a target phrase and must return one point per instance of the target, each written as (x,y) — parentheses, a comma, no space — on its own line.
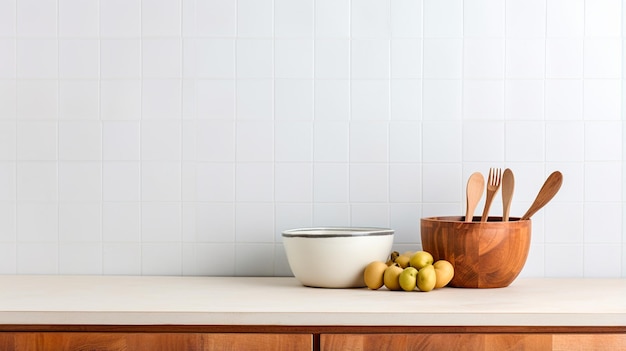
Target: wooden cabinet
(113,341)
(472,342)
(306,338)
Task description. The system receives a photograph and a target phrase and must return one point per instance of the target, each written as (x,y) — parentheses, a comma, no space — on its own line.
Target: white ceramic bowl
(335,257)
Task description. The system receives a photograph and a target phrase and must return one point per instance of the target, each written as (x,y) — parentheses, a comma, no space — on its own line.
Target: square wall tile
(121,223)
(120,99)
(564,58)
(293,141)
(602,18)
(80,222)
(483,58)
(602,58)
(603,141)
(291,215)
(255,141)
(209,259)
(215,140)
(331,141)
(36,18)
(606,256)
(255,58)
(517,146)
(78,18)
(45,92)
(443,18)
(332,18)
(120,18)
(254,259)
(37,258)
(215,182)
(564,99)
(406,99)
(369,182)
(255,223)
(369,100)
(121,259)
(8,182)
(254,182)
(79,99)
(603,181)
(293,99)
(121,140)
(407,19)
(369,142)
(565,18)
(254,18)
(8,258)
(37,182)
(161,18)
(563,141)
(483,140)
(87,134)
(443,58)
(80,258)
(332,58)
(330,183)
(442,180)
(293,18)
(161,99)
(525,58)
(80,181)
(36,140)
(293,58)
(405,141)
(406,58)
(160,222)
(442,142)
(331,214)
(79,58)
(369,19)
(483,99)
(37,223)
(293,182)
(121,181)
(484,18)
(332,100)
(160,181)
(160,140)
(405,183)
(215,223)
(161,258)
(161,58)
(120,58)
(254,99)
(214,18)
(369,59)
(605,231)
(601,99)
(564,260)
(38,58)
(525,99)
(527,19)
(442,99)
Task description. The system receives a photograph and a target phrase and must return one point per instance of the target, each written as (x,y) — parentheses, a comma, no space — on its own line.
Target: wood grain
(79,341)
(471,342)
(484,254)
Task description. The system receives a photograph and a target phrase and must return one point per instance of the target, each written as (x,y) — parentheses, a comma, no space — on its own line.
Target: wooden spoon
(475,186)
(508,183)
(547,192)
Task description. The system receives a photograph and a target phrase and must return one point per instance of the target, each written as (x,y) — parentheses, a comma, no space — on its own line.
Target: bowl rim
(336,232)
(492,220)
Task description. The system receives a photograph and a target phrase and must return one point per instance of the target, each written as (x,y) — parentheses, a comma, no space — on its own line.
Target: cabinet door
(66,341)
(473,342)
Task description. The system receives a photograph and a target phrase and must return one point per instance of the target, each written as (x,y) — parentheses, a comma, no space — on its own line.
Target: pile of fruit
(407,271)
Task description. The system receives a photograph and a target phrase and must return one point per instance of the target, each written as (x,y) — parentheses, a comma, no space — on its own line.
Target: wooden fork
(493,184)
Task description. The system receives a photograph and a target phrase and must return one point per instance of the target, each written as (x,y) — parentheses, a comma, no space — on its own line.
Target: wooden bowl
(484,254)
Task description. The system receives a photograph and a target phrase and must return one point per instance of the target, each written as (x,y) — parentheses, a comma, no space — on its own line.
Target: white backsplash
(180,137)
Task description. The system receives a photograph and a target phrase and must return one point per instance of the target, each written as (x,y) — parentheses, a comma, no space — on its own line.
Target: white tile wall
(182,136)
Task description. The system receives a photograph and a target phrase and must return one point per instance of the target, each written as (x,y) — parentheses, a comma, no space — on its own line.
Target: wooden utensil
(475,186)
(508,183)
(547,192)
(492,188)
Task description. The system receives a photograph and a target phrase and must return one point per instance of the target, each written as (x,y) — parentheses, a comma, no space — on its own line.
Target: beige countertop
(151,300)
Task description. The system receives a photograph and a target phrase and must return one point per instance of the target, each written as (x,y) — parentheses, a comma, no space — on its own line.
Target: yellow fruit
(408,279)
(426,278)
(444,272)
(421,259)
(403,261)
(391,277)
(373,274)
